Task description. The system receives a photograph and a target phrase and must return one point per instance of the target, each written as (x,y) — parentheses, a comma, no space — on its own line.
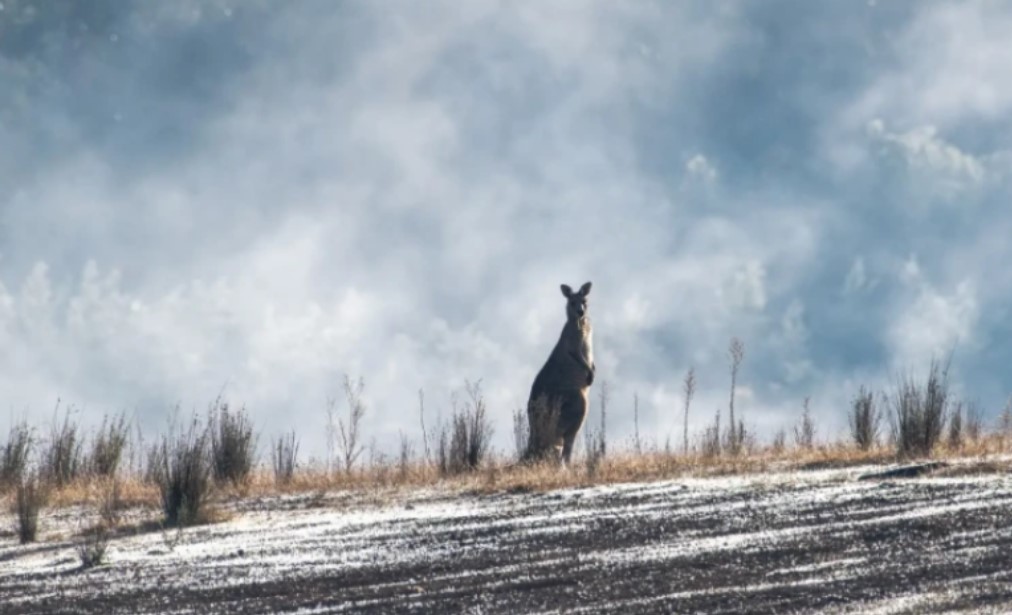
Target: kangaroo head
(576,303)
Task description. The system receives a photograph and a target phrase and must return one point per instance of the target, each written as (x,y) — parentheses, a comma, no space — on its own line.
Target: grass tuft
(920,412)
(864,419)
(31,496)
(180,465)
(94,545)
(284,456)
(61,459)
(233,444)
(14,455)
(464,443)
(108,446)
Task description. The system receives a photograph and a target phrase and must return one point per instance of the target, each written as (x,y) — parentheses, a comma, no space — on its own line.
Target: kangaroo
(558,402)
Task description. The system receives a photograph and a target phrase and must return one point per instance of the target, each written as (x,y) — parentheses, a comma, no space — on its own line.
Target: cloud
(700,168)
(930,323)
(265,198)
(857,278)
(929,155)
(951,58)
(746,288)
(364,212)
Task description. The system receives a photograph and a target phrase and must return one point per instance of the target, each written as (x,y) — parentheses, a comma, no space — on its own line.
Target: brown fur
(561,387)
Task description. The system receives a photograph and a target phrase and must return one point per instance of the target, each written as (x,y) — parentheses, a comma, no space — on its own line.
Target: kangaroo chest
(578,340)
(586,347)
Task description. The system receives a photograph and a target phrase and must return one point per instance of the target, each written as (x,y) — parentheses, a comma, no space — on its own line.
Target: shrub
(779,441)
(973,426)
(92,548)
(689,388)
(865,419)
(421,419)
(180,466)
(32,494)
(350,430)
(804,431)
(407,452)
(464,443)
(920,412)
(61,460)
(1005,423)
(283,456)
(637,442)
(955,436)
(108,446)
(110,502)
(233,445)
(14,455)
(595,450)
(710,445)
(734,438)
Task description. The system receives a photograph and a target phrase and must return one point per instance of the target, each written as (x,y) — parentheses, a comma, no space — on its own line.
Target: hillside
(788,541)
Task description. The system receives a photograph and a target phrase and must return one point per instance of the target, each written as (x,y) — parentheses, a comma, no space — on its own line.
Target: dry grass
(133,492)
(379,483)
(31,495)
(62,461)
(93,546)
(14,455)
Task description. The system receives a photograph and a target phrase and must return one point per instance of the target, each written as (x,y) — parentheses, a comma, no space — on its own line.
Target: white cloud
(941,72)
(929,322)
(397,193)
(857,278)
(700,168)
(747,286)
(931,158)
(404,209)
(792,324)
(952,62)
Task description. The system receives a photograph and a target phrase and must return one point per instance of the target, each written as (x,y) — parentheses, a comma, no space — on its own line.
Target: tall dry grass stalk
(61,457)
(15,454)
(689,389)
(350,429)
(108,446)
(734,439)
(284,458)
(804,431)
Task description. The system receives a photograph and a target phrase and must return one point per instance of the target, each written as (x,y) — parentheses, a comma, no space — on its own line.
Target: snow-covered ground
(818,541)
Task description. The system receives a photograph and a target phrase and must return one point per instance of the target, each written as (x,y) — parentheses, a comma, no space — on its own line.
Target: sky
(254,199)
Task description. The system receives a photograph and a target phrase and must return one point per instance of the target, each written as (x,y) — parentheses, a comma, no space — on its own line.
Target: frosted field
(819,541)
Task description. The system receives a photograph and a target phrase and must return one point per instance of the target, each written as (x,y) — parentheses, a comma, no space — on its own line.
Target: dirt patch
(791,543)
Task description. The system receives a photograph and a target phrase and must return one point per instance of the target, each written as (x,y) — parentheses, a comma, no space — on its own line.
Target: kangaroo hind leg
(572,415)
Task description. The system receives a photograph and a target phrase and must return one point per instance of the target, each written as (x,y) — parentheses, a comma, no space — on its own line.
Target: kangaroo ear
(585,289)
(566,291)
